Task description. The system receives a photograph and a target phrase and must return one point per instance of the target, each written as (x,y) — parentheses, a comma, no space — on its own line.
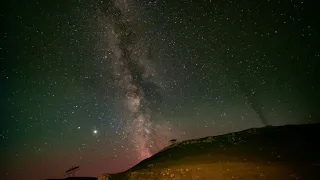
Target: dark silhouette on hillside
(173,141)
(71,172)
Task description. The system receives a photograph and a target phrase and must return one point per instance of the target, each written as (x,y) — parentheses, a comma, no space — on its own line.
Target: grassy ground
(289,152)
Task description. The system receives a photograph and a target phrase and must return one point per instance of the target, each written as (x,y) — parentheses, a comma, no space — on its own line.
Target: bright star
(95,131)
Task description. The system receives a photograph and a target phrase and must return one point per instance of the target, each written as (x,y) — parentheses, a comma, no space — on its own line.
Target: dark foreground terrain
(77,178)
(269,153)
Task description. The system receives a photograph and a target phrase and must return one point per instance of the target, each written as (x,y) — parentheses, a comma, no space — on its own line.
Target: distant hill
(77,178)
(277,153)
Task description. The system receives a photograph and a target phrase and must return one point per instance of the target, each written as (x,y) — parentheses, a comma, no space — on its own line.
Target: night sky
(106,84)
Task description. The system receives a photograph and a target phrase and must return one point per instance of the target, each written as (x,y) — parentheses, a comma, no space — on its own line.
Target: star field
(105,84)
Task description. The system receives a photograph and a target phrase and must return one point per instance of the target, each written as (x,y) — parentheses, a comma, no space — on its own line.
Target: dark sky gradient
(211,67)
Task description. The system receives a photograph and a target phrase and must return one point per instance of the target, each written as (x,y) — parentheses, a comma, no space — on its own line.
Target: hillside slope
(76,178)
(286,152)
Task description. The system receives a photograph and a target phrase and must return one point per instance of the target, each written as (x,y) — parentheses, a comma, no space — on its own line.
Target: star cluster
(105,84)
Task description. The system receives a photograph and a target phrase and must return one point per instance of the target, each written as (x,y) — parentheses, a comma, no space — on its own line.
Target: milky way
(135,77)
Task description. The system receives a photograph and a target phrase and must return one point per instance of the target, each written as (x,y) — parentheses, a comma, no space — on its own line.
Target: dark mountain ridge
(279,152)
